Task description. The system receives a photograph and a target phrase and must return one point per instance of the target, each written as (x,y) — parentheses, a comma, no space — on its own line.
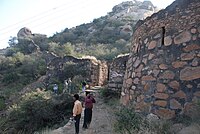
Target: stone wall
(94,69)
(163,72)
(103,73)
(116,73)
(98,73)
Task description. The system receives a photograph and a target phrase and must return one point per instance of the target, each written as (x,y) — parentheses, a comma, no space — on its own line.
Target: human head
(87,93)
(76,96)
(91,94)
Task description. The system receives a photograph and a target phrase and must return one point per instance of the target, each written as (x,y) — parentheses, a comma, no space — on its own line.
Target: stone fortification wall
(116,73)
(103,73)
(93,69)
(163,69)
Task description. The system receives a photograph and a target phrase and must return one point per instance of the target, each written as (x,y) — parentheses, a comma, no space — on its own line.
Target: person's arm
(93,100)
(83,102)
(75,110)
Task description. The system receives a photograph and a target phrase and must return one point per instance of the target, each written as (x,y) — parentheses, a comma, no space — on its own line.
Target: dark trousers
(87,117)
(77,122)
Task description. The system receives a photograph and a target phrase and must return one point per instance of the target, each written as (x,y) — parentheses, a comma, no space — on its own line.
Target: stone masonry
(95,70)
(116,73)
(103,73)
(163,70)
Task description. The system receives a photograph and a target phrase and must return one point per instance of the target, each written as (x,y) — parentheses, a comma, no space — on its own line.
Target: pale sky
(51,16)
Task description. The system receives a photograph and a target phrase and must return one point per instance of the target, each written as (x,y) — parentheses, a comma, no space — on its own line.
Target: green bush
(130,122)
(10,77)
(11,51)
(73,69)
(109,94)
(2,103)
(11,89)
(25,46)
(127,121)
(38,110)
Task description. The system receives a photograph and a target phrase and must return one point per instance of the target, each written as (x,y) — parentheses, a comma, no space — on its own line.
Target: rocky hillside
(2,51)
(115,28)
(105,37)
(132,10)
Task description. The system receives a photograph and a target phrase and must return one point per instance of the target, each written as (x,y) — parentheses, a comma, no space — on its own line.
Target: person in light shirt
(77,109)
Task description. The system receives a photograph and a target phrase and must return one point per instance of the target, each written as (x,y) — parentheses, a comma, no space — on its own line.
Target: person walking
(89,100)
(77,109)
(55,88)
(69,85)
(65,86)
(83,86)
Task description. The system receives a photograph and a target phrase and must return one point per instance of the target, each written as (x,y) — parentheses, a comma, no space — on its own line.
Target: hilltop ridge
(114,28)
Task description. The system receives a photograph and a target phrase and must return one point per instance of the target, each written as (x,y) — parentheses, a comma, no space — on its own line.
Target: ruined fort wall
(116,73)
(89,66)
(103,73)
(98,73)
(163,70)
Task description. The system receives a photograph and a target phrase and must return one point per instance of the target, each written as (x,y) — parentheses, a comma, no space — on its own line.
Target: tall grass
(127,121)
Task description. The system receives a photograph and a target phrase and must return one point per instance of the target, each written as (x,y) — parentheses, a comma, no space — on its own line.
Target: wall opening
(108,74)
(163,35)
(124,64)
(139,45)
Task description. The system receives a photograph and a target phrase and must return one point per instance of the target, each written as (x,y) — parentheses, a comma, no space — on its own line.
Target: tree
(13,41)
(11,51)
(61,50)
(26,45)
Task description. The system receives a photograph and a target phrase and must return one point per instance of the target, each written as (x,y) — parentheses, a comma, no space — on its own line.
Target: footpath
(101,121)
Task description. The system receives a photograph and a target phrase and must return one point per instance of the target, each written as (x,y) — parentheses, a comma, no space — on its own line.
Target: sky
(51,16)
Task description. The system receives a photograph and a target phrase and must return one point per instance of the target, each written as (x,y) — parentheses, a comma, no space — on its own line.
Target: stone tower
(163,71)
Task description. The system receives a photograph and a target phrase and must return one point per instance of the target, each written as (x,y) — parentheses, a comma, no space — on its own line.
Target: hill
(110,34)
(104,38)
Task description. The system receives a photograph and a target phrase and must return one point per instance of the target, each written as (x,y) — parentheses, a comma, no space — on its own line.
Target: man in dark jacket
(89,100)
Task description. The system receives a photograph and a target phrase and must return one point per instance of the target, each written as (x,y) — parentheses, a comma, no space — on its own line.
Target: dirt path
(101,121)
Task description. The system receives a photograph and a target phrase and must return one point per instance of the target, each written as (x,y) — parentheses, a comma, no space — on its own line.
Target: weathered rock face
(116,73)
(24,32)
(129,11)
(164,65)
(134,10)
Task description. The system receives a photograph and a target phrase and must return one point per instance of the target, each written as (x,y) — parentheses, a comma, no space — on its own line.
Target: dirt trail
(101,121)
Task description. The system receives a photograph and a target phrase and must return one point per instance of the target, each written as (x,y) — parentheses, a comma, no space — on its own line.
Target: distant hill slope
(105,37)
(2,51)
(115,28)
